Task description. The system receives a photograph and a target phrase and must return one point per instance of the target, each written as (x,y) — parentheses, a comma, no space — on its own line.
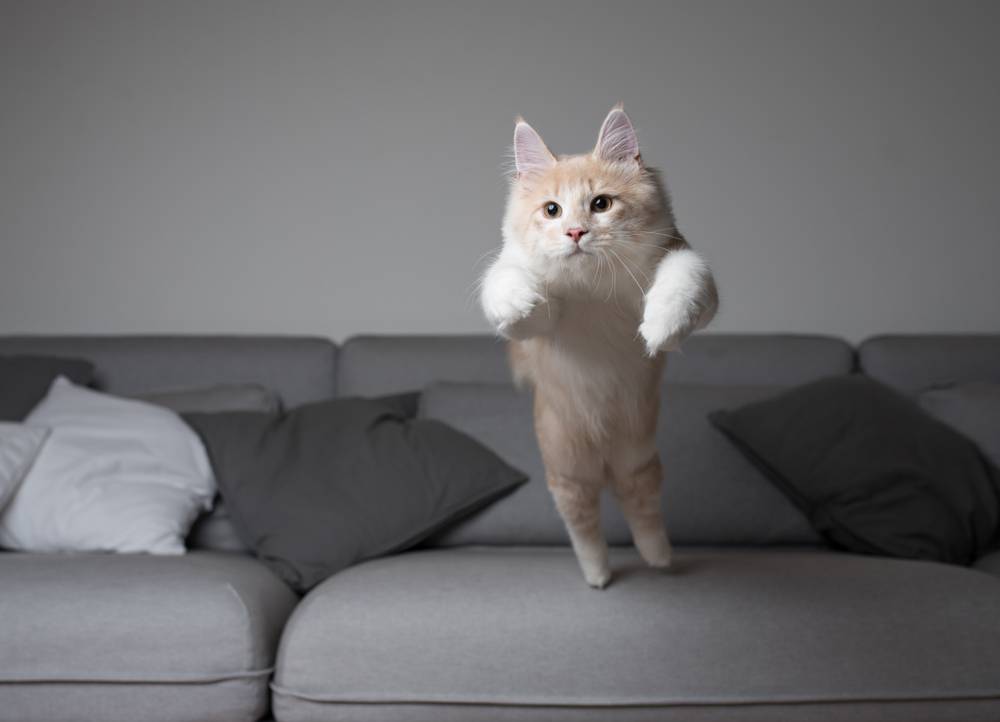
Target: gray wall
(333,168)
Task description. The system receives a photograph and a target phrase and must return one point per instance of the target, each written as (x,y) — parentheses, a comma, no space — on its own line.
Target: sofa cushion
(129,637)
(24,381)
(915,363)
(298,369)
(990,563)
(973,409)
(494,633)
(215,398)
(711,493)
(372,365)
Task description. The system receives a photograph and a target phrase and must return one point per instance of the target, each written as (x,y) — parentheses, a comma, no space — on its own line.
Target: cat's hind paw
(598,578)
(655,550)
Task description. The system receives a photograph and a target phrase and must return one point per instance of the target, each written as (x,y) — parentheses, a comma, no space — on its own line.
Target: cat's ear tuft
(617,140)
(530,154)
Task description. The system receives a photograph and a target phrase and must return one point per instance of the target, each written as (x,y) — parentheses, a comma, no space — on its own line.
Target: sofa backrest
(913,364)
(298,369)
(373,365)
(712,495)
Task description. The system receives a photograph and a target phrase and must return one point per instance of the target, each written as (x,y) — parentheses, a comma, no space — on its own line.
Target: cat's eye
(600,204)
(552,209)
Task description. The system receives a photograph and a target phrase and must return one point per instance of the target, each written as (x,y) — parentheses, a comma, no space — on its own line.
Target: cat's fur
(589,323)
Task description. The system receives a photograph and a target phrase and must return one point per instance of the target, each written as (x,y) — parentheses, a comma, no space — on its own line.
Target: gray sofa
(490,619)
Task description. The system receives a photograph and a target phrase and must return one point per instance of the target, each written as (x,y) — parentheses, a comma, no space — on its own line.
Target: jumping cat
(593,285)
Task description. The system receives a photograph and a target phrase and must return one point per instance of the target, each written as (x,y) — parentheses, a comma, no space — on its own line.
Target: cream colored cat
(593,284)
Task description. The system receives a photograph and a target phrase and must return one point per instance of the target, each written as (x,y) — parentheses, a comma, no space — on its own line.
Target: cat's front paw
(665,324)
(509,295)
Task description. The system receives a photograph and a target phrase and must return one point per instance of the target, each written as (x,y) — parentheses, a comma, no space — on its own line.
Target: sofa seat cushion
(128,637)
(989,563)
(492,633)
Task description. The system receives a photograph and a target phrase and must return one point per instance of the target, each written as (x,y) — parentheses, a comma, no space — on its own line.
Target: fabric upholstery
(711,493)
(516,634)
(916,363)
(214,529)
(215,398)
(114,475)
(137,637)
(376,365)
(332,483)
(373,365)
(19,447)
(873,471)
(972,409)
(298,369)
(24,381)
(990,563)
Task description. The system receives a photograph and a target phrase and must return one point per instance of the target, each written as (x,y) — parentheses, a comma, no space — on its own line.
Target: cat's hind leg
(637,479)
(579,505)
(576,472)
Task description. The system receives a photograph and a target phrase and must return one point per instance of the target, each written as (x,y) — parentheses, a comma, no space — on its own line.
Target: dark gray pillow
(873,472)
(24,381)
(329,484)
(972,409)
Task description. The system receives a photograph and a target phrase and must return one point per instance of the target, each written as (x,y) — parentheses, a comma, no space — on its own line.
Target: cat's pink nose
(576,233)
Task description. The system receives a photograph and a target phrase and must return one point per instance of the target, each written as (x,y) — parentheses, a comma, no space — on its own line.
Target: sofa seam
(263,672)
(694,702)
(248,625)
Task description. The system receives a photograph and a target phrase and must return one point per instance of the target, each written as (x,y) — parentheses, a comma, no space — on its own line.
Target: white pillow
(114,475)
(19,445)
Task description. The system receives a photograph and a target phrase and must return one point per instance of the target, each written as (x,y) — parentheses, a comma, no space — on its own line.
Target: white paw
(681,299)
(509,295)
(597,575)
(655,550)
(665,325)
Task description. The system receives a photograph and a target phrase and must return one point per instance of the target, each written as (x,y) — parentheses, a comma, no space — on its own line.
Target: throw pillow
(332,483)
(19,445)
(873,472)
(114,475)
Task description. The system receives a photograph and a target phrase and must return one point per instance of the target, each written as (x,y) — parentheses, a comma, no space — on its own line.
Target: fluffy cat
(593,284)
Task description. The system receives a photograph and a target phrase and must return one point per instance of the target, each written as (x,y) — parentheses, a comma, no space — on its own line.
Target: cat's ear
(530,153)
(617,140)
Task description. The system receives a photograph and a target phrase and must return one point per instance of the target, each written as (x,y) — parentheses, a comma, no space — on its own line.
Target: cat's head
(573,215)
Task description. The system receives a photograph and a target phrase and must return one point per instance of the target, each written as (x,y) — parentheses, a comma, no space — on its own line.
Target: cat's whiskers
(611,293)
(598,272)
(643,234)
(623,256)
(648,238)
(660,232)
(628,269)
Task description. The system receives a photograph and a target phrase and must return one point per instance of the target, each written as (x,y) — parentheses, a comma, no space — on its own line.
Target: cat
(593,284)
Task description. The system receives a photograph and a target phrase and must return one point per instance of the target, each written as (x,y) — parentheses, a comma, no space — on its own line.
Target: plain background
(334,168)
